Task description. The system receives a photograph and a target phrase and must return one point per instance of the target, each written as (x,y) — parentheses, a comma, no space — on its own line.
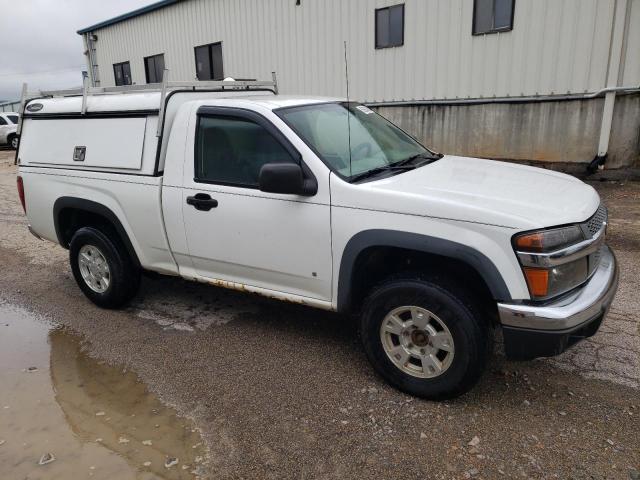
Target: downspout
(87,54)
(615,69)
(90,50)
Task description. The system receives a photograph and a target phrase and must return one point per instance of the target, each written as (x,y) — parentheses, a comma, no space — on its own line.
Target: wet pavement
(66,415)
(283,391)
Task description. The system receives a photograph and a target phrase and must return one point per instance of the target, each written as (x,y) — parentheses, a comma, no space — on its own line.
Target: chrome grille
(595,223)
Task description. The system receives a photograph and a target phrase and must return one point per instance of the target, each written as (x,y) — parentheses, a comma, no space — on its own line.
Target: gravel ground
(283,391)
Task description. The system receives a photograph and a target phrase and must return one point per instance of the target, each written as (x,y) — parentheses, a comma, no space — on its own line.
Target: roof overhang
(127,16)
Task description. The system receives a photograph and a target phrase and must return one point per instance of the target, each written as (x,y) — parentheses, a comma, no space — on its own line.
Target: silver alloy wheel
(94,268)
(14,143)
(417,341)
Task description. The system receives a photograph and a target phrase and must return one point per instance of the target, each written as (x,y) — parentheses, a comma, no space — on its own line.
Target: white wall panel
(556,47)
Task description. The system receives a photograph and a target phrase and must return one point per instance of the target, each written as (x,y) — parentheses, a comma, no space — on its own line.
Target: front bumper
(532,331)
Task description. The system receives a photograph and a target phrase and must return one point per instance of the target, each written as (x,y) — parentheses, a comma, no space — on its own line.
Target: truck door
(237,233)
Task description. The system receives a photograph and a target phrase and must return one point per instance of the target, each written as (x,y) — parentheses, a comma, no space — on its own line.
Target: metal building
(532,80)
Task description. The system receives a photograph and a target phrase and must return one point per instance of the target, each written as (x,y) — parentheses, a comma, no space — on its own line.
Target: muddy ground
(284,391)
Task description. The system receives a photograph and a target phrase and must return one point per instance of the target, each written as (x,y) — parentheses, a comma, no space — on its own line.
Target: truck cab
(322,202)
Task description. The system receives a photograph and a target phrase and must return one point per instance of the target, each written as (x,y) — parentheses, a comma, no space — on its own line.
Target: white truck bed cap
(148,102)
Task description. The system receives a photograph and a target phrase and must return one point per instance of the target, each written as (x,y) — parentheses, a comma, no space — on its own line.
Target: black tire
(10,140)
(470,332)
(124,275)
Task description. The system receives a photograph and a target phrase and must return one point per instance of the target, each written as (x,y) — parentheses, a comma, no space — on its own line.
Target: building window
(231,151)
(122,73)
(390,26)
(491,16)
(209,62)
(154,68)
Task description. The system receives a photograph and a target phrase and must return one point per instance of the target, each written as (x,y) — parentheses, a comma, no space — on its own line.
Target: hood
(491,192)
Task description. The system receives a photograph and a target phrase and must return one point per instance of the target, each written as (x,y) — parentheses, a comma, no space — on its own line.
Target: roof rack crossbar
(86,91)
(158,87)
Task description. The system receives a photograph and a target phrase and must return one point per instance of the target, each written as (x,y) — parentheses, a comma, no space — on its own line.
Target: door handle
(202,202)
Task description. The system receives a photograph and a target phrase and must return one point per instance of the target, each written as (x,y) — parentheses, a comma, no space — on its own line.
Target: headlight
(549,240)
(547,272)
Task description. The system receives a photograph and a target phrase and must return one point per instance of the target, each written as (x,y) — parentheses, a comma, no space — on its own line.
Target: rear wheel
(12,141)
(103,268)
(424,339)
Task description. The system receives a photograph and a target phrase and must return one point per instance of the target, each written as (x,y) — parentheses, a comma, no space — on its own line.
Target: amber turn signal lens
(538,281)
(531,243)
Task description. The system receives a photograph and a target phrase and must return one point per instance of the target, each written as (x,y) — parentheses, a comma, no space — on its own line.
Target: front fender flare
(421,243)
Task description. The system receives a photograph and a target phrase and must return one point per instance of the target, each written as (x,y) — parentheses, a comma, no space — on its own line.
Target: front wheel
(13,142)
(102,268)
(423,339)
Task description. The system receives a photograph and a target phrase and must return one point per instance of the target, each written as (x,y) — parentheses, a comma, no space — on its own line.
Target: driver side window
(231,151)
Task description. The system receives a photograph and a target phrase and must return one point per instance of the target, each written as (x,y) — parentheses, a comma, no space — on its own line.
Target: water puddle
(65,415)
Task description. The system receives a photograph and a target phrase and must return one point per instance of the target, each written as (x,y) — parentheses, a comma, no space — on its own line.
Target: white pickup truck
(321,202)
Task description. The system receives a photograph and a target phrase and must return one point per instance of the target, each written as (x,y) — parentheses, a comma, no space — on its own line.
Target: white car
(321,202)
(8,126)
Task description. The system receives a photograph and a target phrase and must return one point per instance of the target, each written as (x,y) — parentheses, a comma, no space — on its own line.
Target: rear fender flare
(83,204)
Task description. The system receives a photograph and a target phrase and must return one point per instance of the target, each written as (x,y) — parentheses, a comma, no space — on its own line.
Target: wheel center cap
(419,338)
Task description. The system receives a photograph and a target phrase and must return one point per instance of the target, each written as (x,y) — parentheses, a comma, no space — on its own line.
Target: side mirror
(286,178)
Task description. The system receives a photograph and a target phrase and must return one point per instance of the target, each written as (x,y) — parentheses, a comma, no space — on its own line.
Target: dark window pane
(502,14)
(2,121)
(216,62)
(122,73)
(126,73)
(149,69)
(13,118)
(396,25)
(154,68)
(232,150)
(159,67)
(117,73)
(483,16)
(203,63)
(382,28)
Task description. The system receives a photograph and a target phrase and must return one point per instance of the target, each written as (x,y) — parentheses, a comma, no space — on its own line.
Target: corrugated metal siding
(631,67)
(556,47)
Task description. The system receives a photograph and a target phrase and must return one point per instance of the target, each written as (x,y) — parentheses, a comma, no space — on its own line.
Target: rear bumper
(532,331)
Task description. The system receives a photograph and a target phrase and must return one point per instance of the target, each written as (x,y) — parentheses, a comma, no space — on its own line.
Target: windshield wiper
(399,165)
(377,170)
(429,156)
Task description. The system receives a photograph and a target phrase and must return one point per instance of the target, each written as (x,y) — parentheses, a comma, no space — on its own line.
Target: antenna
(346,76)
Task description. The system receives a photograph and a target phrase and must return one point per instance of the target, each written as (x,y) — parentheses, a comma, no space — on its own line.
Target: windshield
(351,138)
(13,118)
